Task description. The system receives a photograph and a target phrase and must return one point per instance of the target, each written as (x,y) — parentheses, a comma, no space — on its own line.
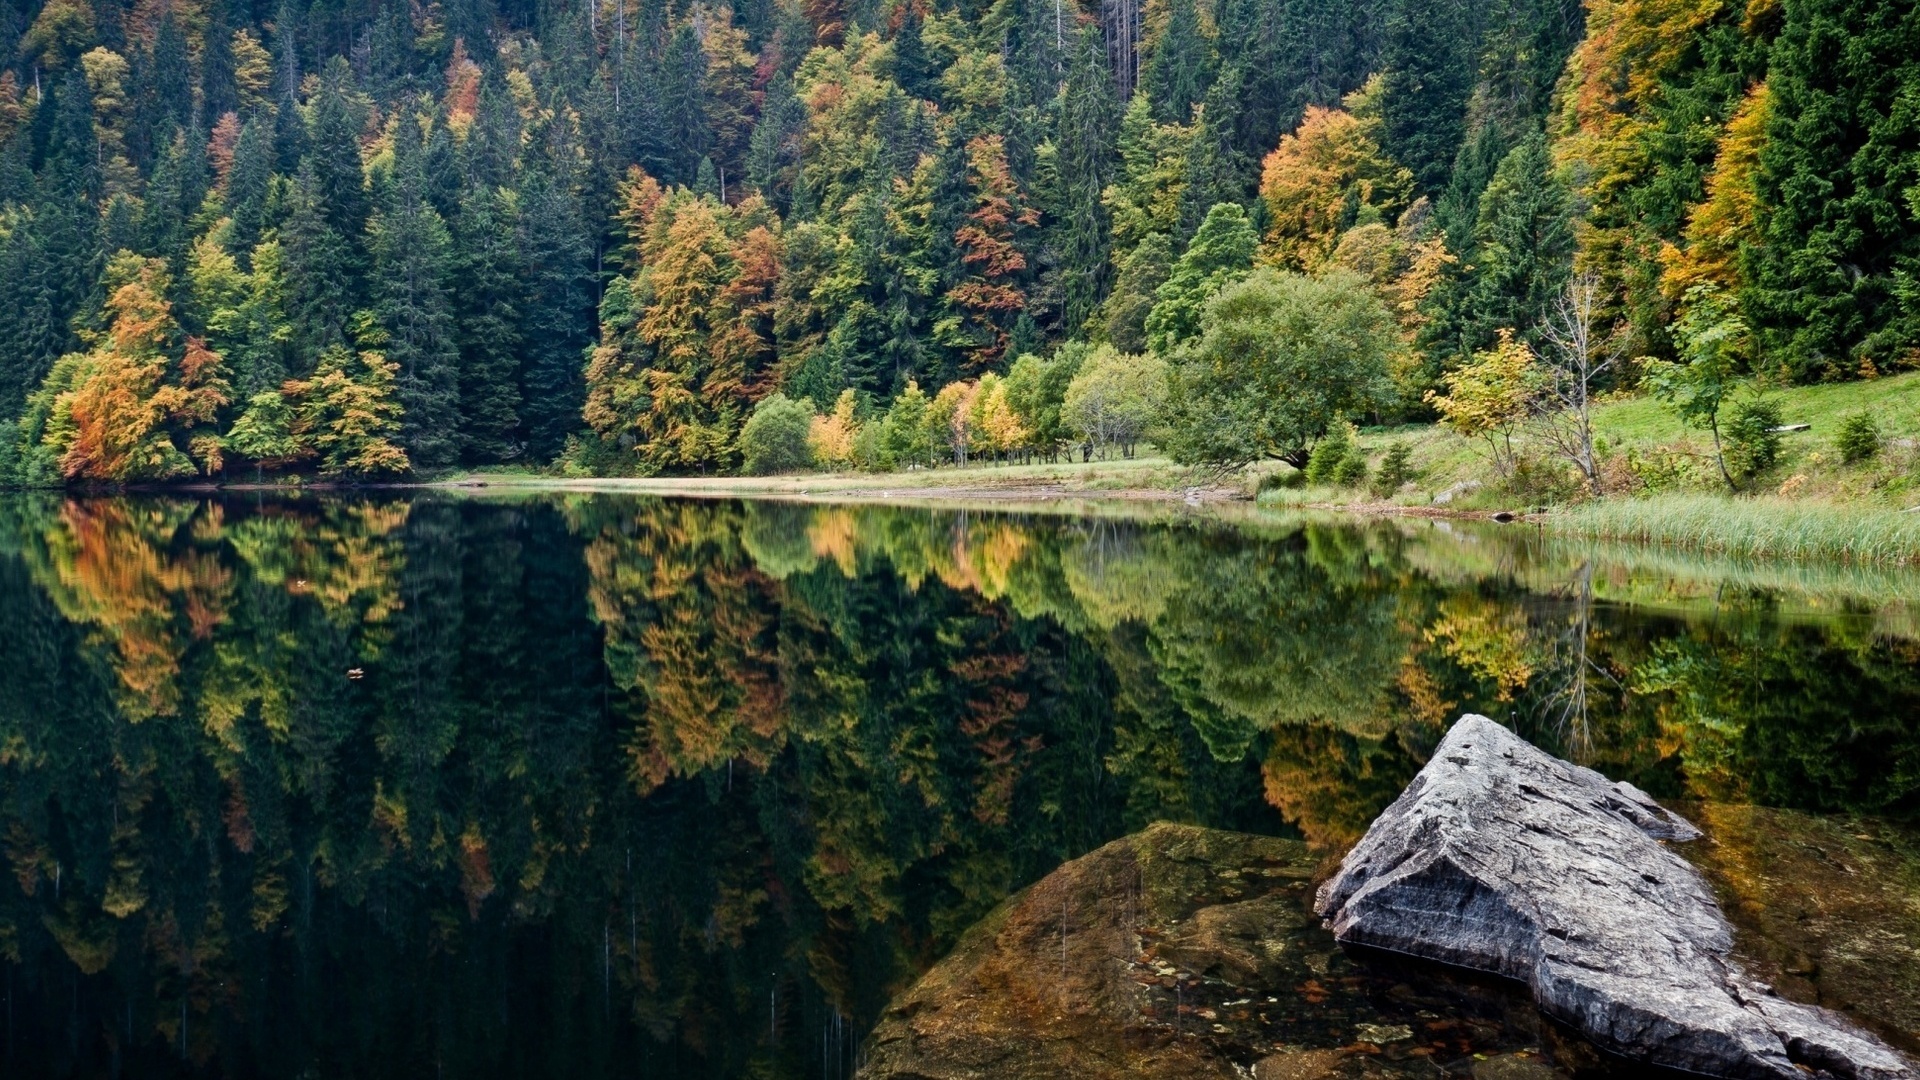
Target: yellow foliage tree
(1490,397)
(1327,174)
(831,436)
(1719,225)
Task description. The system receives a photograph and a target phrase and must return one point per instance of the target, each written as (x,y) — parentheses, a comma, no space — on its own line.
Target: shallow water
(603,786)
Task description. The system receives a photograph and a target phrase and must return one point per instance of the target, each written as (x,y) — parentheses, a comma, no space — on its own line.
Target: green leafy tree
(1713,338)
(1114,398)
(774,438)
(1280,358)
(349,414)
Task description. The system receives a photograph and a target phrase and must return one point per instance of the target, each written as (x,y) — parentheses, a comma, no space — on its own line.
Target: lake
(595,785)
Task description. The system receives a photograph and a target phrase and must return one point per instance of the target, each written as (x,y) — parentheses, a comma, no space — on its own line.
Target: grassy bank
(1664,488)
(1765,527)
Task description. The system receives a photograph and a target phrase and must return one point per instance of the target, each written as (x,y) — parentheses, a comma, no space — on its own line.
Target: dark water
(605,786)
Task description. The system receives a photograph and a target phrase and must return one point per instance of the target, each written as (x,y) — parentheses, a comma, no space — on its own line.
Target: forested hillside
(364,238)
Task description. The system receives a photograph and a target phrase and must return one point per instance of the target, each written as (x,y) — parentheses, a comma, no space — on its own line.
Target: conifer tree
(1176,73)
(489,274)
(412,264)
(556,310)
(1221,253)
(317,266)
(1840,224)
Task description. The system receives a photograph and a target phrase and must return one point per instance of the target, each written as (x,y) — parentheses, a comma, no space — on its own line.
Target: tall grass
(1752,528)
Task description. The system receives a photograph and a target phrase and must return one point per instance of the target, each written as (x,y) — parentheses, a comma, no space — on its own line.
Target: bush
(1352,471)
(1395,470)
(1323,465)
(1859,438)
(1749,435)
(774,439)
(1278,479)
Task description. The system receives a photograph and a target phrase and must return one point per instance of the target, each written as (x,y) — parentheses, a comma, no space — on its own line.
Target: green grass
(1763,527)
(1894,402)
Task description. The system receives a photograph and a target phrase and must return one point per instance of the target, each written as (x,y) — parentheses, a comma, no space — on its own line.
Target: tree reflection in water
(590,784)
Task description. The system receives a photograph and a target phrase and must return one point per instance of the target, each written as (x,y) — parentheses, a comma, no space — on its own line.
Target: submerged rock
(1183,953)
(1501,858)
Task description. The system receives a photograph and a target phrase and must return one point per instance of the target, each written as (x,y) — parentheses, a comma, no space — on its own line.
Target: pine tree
(1085,163)
(489,275)
(1523,244)
(317,267)
(1221,253)
(1429,68)
(1837,234)
(334,154)
(555,311)
(412,264)
(248,183)
(1176,74)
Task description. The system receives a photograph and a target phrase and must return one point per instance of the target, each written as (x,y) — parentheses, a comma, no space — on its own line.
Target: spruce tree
(1176,75)
(317,264)
(1833,275)
(489,275)
(555,313)
(1086,164)
(412,264)
(1429,68)
(248,184)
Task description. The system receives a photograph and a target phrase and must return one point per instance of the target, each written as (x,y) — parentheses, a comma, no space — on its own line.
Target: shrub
(1352,471)
(1750,437)
(774,439)
(1274,481)
(1395,470)
(1323,465)
(1859,438)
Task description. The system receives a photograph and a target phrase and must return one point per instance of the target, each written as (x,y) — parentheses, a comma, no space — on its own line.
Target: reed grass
(1760,527)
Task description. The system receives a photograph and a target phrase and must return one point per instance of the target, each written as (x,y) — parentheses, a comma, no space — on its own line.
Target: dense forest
(360,239)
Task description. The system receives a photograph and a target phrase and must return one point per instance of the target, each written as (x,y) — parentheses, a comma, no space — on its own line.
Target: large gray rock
(1502,858)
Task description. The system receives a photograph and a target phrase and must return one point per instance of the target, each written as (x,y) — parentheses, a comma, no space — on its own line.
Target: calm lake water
(610,786)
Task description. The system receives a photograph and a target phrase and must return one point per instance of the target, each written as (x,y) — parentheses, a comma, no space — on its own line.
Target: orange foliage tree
(987,300)
(1326,176)
(142,404)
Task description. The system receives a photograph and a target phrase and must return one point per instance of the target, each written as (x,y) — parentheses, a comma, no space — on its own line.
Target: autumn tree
(988,298)
(143,403)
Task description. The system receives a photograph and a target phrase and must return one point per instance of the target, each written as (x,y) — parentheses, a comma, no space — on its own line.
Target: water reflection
(599,785)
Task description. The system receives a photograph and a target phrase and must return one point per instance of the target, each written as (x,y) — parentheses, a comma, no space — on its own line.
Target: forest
(371,239)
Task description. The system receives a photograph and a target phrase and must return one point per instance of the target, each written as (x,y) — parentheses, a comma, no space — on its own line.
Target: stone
(1298,1065)
(1512,1067)
(1502,858)
(1179,953)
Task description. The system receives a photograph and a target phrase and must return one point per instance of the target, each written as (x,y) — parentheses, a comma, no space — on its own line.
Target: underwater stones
(1502,858)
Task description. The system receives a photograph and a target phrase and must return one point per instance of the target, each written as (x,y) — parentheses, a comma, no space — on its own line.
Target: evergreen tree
(318,266)
(556,311)
(412,264)
(1221,253)
(490,274)
(1177,70)
(1085,164)
(1839,251)
(1429,65)
(248,184)
(1523,244)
